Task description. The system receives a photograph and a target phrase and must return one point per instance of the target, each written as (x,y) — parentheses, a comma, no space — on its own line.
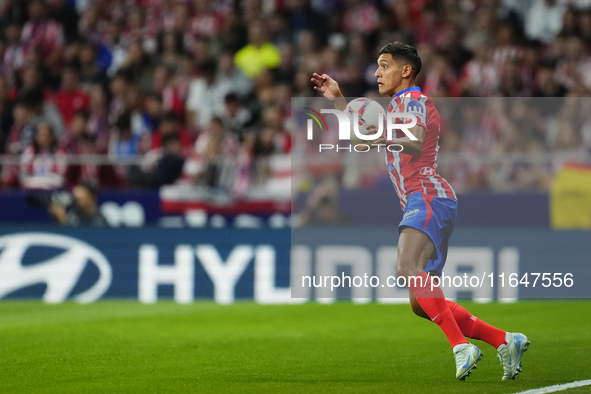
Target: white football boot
(511,353)
(466,355)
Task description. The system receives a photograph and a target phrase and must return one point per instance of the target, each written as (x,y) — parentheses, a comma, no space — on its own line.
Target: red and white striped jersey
(410,174)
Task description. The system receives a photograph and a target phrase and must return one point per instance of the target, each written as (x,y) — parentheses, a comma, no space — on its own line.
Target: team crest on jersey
(427,171)
(390,167)
(418,109)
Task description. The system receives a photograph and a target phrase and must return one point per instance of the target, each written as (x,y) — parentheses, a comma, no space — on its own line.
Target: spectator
(480,76)
(279,29)
(123,142)
(506,48)
(360,16)
(574,69)
(244,164)
(183,77)
(441,75)
(265,144)
(354,83)
(70,98)
(154,110)
(83,211)
(332,64)
(78,127)
(103,176)
(286,70)
(232,78)
(113,43)
(170,48)
(546,85)
(136,31)
(137,67)
(22,132)
(170,126)
(6,118)
(65,15)
(301,84)
(42,110)
(201,60)
(90,72)
(118,88)
(303,16)
(584,25)
(206,97)
(454,52)
(14,53)
(31,78)
(42,164)
(308,53)
(13,11)
(168,162)
(140,122)
(172,94)
(544,20)
(234,32)
(265,88)
(236,117)
(273,119)
(259,54)
(215,141)
(42,33)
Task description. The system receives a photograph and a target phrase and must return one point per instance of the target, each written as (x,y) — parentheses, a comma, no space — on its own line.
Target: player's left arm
(409,147)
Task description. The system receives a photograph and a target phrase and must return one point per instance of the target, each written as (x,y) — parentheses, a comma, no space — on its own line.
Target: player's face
(389,74)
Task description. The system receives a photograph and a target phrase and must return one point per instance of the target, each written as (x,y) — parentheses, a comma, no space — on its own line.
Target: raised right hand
(329,89)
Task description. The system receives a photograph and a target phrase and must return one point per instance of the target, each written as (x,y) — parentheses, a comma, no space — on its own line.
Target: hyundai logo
(59,273)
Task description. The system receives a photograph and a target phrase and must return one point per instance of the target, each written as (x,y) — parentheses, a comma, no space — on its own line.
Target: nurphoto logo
(362,112)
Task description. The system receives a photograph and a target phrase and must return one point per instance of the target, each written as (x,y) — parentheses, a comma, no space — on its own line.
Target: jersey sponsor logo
(60,273)
(427,171)
(418,109)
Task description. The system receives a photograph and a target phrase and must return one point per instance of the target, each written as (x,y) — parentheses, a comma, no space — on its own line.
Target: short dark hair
(170,117)
(208,68)
(32,97)
(404,53)
(123,122)
(231,98)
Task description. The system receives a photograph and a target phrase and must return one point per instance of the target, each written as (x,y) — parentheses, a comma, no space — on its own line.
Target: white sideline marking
(557,387)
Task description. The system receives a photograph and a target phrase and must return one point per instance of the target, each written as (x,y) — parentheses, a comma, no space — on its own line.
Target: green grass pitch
(127,347)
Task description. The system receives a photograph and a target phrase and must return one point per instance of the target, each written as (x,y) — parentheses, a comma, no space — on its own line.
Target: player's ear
(406,71)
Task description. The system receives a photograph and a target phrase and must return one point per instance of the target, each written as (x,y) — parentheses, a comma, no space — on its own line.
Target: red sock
(434,304)
(473,327)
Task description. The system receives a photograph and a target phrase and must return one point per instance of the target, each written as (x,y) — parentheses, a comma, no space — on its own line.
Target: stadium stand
(110,79)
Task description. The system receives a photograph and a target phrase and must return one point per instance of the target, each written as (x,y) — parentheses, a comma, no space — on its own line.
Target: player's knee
(407,271)
(417,310)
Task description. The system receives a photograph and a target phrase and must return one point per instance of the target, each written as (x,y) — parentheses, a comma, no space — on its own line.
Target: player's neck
(404,85)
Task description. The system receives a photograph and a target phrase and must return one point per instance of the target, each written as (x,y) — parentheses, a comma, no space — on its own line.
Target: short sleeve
(417,107)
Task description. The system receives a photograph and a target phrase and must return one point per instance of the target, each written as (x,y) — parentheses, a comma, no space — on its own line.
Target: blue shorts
(435,216)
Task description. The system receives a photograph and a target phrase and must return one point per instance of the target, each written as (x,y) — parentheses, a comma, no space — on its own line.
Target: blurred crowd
(158,92)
